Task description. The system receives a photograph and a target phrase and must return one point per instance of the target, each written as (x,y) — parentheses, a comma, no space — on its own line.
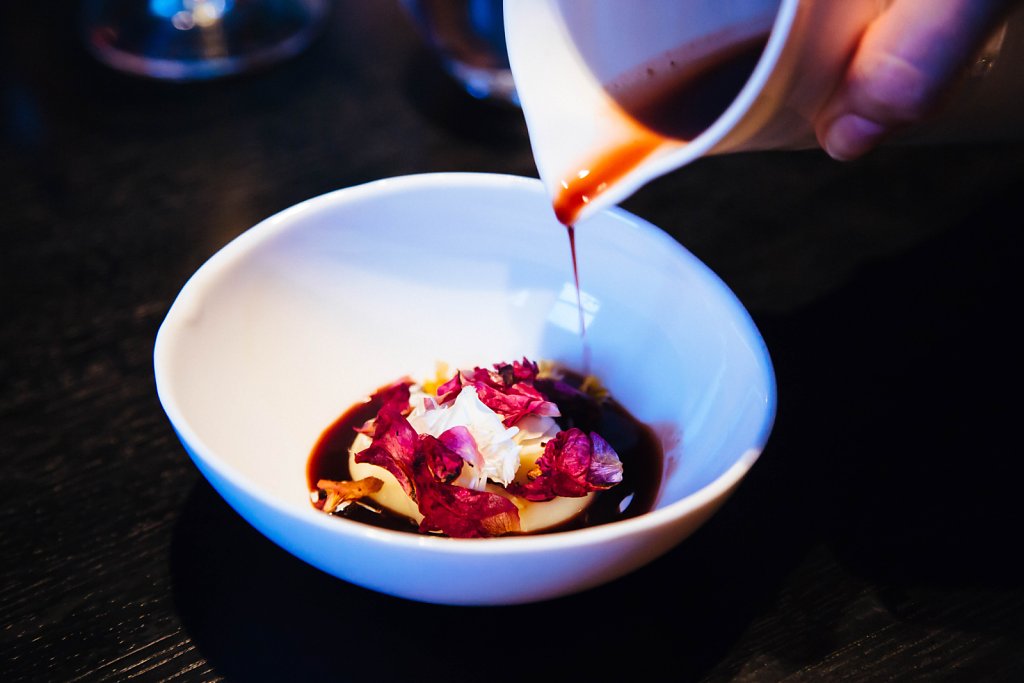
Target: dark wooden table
(877,539)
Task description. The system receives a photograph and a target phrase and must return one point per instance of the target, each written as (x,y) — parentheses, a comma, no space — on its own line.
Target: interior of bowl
(312,310)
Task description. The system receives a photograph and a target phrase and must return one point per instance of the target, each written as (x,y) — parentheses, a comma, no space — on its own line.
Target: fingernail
(851,136)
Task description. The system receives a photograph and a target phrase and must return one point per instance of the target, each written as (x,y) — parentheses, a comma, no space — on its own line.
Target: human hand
(906,60)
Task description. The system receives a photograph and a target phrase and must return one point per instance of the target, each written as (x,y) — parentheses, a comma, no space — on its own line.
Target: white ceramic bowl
(311,310)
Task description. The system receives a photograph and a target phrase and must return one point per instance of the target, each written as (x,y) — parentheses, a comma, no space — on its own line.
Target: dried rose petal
(393,447)
(508,390)
(524,370)
(459,440)
(563,468)
(450,389)
(424,465)
(444,463)
(487,377)
(515,402)
(394,396)
(456,511)
(464,513)
(573,465)
(507,374)
(605,467)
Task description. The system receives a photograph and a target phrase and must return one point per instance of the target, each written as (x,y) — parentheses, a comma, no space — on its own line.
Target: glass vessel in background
(469,38)
(183,40)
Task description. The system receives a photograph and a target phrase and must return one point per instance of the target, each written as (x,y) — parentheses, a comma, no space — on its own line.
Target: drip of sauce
(636,444)
(571,230)
(665,103)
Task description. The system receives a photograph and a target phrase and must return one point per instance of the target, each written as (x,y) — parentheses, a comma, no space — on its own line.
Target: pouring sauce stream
(659,104)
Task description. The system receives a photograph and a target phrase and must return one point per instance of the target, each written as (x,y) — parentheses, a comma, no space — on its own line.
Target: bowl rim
(279,222)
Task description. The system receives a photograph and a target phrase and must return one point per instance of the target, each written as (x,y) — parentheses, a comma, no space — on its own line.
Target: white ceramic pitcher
(569,56)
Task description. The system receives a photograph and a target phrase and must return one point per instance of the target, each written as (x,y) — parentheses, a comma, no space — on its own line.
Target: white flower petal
(495,442)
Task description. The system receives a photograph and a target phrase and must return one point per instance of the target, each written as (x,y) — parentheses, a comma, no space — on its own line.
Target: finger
(903,65)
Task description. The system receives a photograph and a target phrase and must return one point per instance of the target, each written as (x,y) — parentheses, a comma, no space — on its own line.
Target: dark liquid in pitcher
(671,100)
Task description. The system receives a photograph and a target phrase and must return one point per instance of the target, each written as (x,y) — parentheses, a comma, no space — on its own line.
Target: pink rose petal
(605,467)
(524,370)
(394,396)
(460,512)
(459,440)
(450,389)
(393,446)
(573,465)
(508,390)
(443,463)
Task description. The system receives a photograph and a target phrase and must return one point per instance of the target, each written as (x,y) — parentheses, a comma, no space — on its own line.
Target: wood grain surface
(876,540)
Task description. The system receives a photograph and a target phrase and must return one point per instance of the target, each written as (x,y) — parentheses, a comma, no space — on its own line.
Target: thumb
(905,60)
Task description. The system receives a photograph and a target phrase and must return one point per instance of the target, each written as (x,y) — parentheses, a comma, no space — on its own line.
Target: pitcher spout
(618,93)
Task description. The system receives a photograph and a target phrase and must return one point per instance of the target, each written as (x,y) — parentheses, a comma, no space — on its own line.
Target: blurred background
(875,539)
